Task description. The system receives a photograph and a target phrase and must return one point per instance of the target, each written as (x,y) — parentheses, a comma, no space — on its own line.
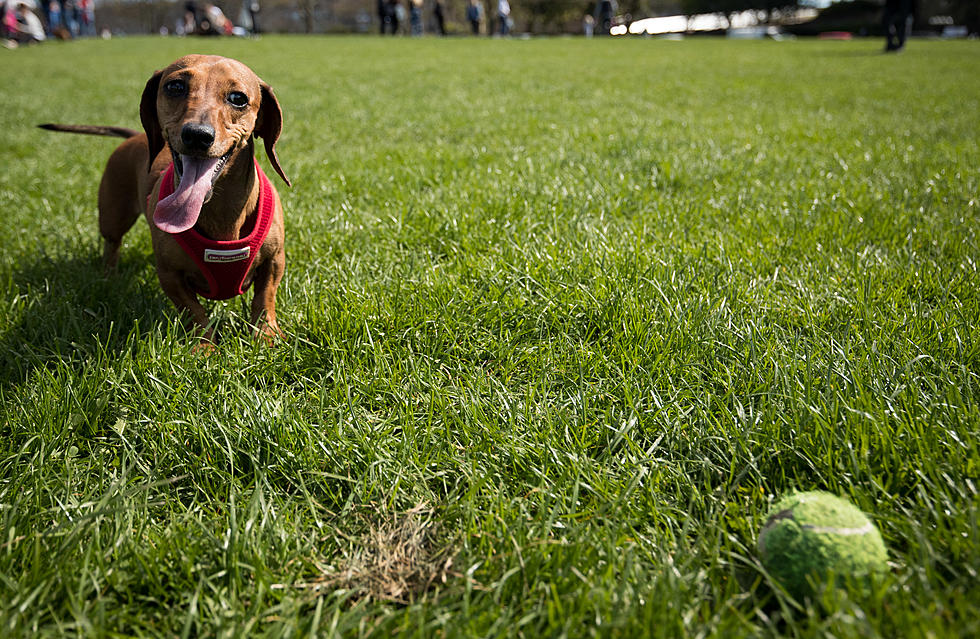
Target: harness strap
(225,263)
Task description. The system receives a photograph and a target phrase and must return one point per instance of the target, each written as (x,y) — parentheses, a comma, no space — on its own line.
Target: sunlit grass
(587,306)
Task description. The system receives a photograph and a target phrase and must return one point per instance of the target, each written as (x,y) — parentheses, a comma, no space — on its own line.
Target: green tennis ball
(810,536)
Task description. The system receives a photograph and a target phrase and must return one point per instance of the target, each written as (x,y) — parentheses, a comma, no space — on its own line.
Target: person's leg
(888,22)
(904,29)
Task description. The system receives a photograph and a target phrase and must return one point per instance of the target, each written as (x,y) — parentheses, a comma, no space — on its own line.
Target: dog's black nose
(197,137)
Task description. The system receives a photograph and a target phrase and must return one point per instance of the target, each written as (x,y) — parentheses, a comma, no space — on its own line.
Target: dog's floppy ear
(148,116)
(268,126)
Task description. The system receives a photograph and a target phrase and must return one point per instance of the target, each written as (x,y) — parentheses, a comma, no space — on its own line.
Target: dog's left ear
(268,126)
(148,116)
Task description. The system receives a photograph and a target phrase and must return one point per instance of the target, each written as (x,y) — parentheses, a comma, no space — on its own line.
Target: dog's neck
(231,211)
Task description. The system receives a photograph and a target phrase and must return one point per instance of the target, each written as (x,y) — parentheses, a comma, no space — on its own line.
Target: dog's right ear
(148,116)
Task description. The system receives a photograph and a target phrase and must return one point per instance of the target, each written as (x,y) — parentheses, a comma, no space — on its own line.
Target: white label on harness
(229,255)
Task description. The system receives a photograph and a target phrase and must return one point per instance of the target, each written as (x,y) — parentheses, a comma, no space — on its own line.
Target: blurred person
(56,22)
(86,10)
(214,22)
(400,15)
(244,17)
(4,30)
(416,18)
(382,15)
(253,12)
(54,16)
(253,15)
(503,16)
(204,25)
(71,17)
(474,15)
(188,22)
(8,23)
(440,17)
(220,20)
(588,25)
(29,29)
(248,17)
(390,22)
(605,10)
(898,18)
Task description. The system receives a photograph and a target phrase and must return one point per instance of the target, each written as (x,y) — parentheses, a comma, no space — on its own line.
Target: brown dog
(215,220)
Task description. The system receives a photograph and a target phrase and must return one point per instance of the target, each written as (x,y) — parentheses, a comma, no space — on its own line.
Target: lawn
(563,318)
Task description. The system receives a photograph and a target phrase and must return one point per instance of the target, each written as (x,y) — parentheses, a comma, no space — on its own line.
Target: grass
(563,318)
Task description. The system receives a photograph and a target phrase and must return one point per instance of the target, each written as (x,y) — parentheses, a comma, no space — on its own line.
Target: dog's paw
(270,333)
(204,348)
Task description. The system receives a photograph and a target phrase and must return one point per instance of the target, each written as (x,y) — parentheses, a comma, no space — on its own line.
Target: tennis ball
(812,535)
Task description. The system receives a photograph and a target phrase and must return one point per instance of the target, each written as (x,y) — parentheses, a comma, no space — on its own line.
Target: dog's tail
(88,129)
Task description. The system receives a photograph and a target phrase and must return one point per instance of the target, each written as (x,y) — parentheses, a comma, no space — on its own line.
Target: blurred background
(843,19)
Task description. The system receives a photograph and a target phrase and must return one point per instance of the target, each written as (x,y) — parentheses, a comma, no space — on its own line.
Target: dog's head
(207,108)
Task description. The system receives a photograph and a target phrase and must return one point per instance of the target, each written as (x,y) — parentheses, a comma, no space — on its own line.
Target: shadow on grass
(68,311)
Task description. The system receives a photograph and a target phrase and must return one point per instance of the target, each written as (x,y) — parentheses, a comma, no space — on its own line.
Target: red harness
(225,263)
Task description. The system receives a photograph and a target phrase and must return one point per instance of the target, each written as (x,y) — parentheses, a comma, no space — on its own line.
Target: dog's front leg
(187,303)
(266,283)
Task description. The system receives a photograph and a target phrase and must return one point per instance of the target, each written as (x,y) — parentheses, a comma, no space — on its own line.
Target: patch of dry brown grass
(395,560)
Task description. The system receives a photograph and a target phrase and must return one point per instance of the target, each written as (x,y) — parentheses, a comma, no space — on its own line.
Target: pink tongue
(178,211)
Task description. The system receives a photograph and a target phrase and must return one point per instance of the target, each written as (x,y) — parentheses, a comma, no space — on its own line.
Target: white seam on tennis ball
(830,530)
(827,530)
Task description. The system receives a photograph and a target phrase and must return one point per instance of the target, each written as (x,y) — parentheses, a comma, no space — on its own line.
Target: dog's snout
(197,137)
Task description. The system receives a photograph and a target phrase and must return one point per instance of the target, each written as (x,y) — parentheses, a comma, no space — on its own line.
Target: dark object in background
(389,22)
(440,17)
(253,13)
(604,12)
(474,14)
(897,21)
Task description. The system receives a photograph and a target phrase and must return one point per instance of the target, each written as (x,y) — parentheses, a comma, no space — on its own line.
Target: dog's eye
(175,88)
(238,99)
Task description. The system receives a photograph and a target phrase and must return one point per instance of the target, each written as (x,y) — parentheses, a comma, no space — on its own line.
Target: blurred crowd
(32,21)
(24,22)
(395,18)
(493,18)
(209,20)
